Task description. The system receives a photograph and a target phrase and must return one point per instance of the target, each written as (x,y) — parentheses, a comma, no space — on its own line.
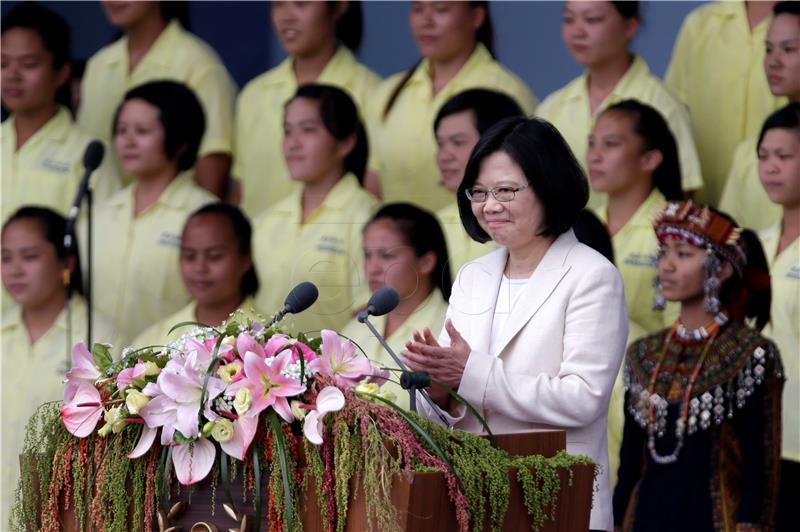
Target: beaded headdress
(703,228)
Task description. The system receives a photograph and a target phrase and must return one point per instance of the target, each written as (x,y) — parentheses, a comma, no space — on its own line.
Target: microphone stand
(89,267)
(415,384)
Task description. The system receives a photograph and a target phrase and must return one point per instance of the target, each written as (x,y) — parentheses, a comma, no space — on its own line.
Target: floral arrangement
(252,404)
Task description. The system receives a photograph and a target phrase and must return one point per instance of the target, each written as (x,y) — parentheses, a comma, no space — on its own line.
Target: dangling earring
(659,303)
(712,284)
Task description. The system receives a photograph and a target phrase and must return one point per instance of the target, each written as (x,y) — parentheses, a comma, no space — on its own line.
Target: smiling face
(305,27)
(514,223)
(32,270)
(616,157)
(595,32)
(779,166)
(456,136)
(139,139)
(29,81)
(782,58)
(211,264)
(444,30)
(390,261)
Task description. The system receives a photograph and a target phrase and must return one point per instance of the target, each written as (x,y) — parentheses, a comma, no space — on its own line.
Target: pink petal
(179,387)
(283,409)
(145,442)
(245,343)
(330,399)
(80,421)
(244,430)
(312,427)
(274,344)
(193,461)
(82,364)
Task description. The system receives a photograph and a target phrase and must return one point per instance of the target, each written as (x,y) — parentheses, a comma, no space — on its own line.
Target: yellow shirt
(403,146)
(158,333)
(568,109)
(137,279)
(430,313)
(460,247)
(176,55)
(636,256)
(259,162)
(33,374)
(326,250)
(717,71)
(744,197)
(784,330)
(47,169)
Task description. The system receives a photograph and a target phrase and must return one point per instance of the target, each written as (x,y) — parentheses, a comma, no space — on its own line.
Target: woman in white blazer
(535,330)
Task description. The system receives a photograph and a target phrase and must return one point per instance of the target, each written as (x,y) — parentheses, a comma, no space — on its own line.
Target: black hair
(650,126)
(178,10)
(55,34)
(350,28)
(548,164)
(628,9)
(786,8)
(242,230)
(179,112)
(484,35)
(591,231)
(340,116)
(787,117)
(421,231)
(54,228)
(487,106)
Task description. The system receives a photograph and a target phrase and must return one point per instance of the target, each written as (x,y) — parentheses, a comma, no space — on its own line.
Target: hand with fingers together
(444,363)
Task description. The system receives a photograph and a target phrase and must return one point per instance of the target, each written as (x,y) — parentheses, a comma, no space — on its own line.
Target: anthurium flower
(267,384)
(329,399)
(83,370)
(340,361)
(82,412)
(193,460)
(244,430)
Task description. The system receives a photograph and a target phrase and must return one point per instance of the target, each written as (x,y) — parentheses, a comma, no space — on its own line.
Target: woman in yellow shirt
(458,125)
(404,248)
(39,332)
(599,35)
(779,170)
(157,131)
(320,39)
(42,148)
(314,234)
(156,45)
(455,40)
(217,268)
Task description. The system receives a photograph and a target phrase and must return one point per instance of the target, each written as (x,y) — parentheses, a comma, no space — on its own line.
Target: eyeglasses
(504,194)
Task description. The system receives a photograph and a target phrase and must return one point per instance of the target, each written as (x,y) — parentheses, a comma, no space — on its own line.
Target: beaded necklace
(710,331)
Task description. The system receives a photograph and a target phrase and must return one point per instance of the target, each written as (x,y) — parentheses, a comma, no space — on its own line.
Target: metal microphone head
(383,301)
(300,298)
(93,155)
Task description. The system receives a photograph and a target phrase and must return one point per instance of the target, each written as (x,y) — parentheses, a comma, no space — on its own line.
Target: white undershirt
(507,296)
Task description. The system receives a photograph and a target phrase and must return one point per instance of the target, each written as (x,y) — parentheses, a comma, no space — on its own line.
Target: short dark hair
(650,126)
(786,8)
(340,116)
(54,228)
(421,231)
(54,32)
(487,106)
(787,117)
(242,230)
(179,112)
(548,164)
(628,9)
(350,28)
(591,231)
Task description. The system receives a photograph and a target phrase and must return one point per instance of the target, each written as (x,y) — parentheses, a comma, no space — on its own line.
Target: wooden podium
(422,502)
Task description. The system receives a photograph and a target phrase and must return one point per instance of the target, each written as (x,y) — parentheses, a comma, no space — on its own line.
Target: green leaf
(257,486)
(280,440)
(102,356)
(194,323)
(469,407)
(226,480)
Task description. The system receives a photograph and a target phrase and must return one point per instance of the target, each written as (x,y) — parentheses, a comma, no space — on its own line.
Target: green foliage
(102,356)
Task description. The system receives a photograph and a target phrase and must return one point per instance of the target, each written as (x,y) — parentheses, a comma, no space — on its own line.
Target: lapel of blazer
(485,287)
(541,285)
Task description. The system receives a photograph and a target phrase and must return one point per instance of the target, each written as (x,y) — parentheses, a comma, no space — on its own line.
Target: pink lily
(329,399)
(341,361)
(128,375)
(84,409)
(307,352)
(193,460)
(267,385)
(83,370)
(246,343)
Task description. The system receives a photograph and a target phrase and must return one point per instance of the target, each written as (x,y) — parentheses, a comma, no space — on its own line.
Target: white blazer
(560,352)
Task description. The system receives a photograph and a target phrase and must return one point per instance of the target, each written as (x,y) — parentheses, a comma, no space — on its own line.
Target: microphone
(299,299)
(92,158)
(383,301)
